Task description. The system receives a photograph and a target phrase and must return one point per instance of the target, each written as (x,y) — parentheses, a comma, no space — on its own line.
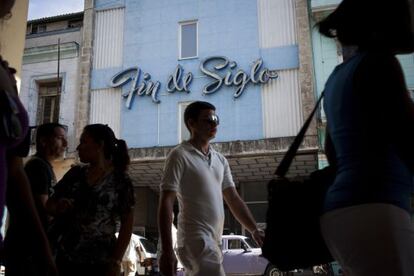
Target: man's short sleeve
(173,171)
(227,177)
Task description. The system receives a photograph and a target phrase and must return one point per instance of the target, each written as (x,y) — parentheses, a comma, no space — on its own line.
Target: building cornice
(231,149)
(61,17)
(50,52)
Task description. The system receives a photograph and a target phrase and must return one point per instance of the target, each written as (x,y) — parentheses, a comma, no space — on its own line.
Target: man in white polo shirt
(199,177)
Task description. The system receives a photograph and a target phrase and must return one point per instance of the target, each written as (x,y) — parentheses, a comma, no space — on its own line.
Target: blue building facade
(251,59)
(151,42)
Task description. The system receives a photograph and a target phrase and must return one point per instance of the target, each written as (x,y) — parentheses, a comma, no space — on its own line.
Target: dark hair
(45,131)
(194,109)
(371,24)
(114,149)
(5,8)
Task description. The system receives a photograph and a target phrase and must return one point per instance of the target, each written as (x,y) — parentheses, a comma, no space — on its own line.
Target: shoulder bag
(292,238)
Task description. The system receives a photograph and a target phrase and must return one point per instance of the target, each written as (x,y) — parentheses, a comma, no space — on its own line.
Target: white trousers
(201,257)
(371,240)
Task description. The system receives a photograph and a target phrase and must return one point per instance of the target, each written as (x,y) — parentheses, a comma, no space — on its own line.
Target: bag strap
(290,154)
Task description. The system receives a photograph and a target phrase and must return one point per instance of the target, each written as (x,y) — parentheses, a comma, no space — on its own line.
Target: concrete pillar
(305,61)
(12,36)
(82,114)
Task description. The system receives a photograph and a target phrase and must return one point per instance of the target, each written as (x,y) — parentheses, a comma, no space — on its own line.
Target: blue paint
(226,28)
(281,58)
(108,4)
(100,78)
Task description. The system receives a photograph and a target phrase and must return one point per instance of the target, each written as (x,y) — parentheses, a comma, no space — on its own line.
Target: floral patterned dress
(87,232)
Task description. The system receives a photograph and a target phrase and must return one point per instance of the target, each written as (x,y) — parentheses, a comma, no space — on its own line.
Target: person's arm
(19,184)
(124,237)
(165,220)
(242,213)
(388,108)
(138,250)
(125,208)
(39,178)
(330,149)
(58,206)
(173,172)
(59,203)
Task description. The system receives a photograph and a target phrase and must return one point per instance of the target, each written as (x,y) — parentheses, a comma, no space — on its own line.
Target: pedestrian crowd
(68,227)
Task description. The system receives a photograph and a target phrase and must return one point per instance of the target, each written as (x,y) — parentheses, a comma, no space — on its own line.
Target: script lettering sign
(218,69)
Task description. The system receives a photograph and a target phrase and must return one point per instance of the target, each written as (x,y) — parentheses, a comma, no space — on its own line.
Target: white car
(241,256)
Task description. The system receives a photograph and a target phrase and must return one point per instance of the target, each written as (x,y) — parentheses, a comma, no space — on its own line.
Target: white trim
(180,25)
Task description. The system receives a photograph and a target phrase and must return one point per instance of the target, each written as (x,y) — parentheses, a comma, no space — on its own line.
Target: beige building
(12,35)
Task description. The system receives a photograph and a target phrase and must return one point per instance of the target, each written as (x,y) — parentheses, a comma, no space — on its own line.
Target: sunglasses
(212,119)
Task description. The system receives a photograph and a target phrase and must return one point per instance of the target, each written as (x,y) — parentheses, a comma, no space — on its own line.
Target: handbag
(292,238)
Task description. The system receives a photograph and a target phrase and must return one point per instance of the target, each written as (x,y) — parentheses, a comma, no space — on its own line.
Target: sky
(46,8)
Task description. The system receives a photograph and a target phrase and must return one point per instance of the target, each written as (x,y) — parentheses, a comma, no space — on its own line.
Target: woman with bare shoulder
(370,121)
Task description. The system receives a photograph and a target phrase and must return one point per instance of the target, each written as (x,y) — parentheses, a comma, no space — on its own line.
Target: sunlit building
(147,60)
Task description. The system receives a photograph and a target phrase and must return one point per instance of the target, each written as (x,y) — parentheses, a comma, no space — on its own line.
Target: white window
(188,39)
(183,132)
(49,103)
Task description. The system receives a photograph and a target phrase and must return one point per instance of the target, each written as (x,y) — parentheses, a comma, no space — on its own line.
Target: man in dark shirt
(20,248)
(50,145)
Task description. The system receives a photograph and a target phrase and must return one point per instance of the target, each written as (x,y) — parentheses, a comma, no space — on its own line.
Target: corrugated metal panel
(106,108)
(277,23)
(281,101)
(109,37)
(282,106)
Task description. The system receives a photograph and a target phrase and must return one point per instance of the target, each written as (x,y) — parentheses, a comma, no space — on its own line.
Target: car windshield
(149,246)
(251,243)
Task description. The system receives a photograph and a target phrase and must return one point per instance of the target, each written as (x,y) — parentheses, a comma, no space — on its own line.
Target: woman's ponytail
(120,156)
